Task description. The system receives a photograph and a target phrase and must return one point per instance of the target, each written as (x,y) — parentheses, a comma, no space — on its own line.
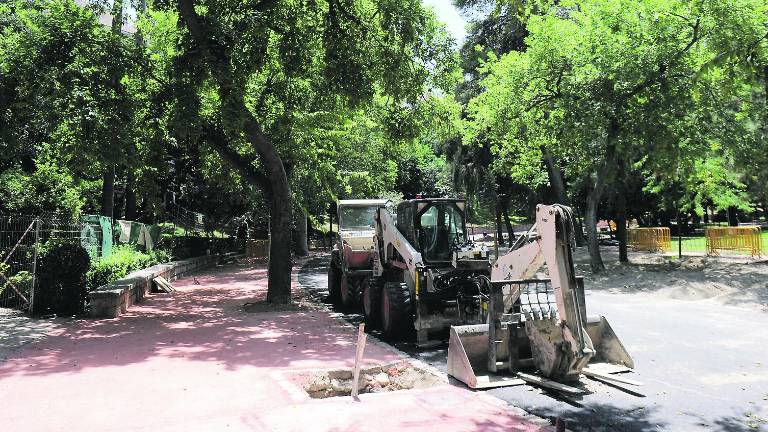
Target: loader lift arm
(552,243)
(536,324)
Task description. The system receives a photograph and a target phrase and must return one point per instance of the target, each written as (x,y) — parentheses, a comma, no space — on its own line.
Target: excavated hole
(377,379)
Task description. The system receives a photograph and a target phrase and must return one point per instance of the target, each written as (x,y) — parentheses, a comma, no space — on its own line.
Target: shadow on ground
(202,322)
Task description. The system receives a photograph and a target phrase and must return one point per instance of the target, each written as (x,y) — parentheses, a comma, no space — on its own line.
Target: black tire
(334,282)
(347,293)
(371,302)
(396,315)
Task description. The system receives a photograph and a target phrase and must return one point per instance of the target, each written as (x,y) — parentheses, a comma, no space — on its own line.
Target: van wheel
(347,291)
(334,282)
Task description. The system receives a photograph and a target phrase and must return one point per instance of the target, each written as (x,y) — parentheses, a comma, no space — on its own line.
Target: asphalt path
(704,365)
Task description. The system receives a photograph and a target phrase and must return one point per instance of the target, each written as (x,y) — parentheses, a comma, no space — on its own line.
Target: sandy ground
(727,281)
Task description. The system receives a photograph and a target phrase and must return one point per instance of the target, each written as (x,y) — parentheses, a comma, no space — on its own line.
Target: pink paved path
(195,362)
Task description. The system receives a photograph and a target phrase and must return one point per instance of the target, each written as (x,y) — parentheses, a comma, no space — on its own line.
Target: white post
(34,267)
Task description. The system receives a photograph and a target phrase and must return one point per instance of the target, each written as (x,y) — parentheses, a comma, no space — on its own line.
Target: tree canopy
(274,110)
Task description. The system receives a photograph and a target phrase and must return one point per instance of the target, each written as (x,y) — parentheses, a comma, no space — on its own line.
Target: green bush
(124,260)
(21,280)
(61,286)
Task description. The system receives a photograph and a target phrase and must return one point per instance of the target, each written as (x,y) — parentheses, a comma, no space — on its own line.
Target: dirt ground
(737,281)
(378,379)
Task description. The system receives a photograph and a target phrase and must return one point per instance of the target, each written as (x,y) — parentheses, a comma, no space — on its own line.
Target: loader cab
(434,226)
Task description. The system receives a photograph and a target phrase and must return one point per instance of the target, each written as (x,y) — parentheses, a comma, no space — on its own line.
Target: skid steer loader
(429,276)
(427,272)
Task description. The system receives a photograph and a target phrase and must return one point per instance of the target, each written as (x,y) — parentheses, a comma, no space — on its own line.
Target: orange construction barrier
(746,239)
(649,239)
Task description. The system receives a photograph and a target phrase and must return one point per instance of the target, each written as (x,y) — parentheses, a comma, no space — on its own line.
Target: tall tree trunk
(593,243)
(555,176)
(499,232)
(274,180)
(108,192)
(130,196)
(595,195)
(733,217)
(302,246)
(621,225)
(508,223)
(557,182)
(280,261)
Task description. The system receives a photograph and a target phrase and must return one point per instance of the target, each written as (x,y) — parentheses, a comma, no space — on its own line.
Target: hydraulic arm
(532,323)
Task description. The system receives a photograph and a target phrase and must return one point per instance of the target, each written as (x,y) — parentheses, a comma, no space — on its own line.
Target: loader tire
(347,294)
(371,302)
(334,282)
(396,316)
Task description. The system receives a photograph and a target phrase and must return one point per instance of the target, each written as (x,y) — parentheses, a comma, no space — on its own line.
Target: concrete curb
(113,299)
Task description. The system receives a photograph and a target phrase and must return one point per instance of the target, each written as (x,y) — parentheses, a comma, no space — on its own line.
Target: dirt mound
(727,280)
(685,290)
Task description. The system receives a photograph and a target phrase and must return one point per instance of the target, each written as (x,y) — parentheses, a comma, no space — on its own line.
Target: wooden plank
(164,285)
(617,385)
(537,380)
(599,375)
(361,337)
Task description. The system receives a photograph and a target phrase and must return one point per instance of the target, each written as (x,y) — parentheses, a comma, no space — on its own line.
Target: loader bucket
(608,347)
(468,358)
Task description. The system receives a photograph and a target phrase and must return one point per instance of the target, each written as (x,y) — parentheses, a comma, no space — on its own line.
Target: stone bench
(113,299)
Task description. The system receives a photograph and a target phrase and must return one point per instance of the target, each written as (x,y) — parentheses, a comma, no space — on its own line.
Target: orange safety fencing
(649,239)
(746,239)
(257,249)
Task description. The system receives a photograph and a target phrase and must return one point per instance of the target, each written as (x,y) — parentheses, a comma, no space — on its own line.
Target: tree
(610,84)
(56,66)
(339,52)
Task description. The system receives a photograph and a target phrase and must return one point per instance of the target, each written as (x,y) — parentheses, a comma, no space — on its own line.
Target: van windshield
(356,218)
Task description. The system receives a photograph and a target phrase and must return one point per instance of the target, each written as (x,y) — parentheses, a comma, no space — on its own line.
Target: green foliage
(48,188)
(124,260)
(61,282)
(21,280)
(632,82)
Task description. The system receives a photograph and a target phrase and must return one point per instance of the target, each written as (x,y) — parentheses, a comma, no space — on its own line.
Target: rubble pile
(377,379)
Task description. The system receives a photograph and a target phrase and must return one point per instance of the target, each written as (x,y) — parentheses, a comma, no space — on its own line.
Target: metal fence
(747,240)
(20,240)
(22,237)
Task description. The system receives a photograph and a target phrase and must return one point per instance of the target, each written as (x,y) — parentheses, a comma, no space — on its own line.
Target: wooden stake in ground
(358,358)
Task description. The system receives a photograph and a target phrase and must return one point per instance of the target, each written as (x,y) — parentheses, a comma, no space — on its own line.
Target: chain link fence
(22,238)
